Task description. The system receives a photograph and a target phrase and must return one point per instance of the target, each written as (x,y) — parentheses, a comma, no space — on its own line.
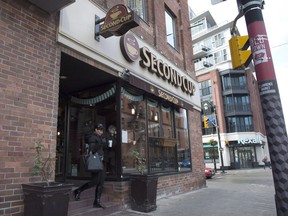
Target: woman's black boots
(97,203)
(77,194)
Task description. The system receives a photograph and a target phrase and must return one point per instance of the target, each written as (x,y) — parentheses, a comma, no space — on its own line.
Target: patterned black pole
(270,99)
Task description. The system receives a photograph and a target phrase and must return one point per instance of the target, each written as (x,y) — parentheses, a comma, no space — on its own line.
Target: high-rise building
(229,98)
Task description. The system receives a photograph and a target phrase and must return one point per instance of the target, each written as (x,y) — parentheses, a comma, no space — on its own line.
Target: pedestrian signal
(240,56)
(206,122)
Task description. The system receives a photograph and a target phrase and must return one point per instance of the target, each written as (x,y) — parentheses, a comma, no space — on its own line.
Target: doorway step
(84,207)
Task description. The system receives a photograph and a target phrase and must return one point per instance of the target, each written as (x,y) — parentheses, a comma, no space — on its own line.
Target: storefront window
(167,123)
(153,119)
(133,113)
(157,131)
(183,144)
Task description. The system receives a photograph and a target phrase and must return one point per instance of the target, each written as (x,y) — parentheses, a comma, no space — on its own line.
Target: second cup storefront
(153,126)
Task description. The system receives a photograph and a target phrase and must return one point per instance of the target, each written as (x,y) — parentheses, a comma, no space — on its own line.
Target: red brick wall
(29,76)
(177,184)
(29,84)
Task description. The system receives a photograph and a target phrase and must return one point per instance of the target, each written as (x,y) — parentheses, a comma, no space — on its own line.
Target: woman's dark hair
(99,126)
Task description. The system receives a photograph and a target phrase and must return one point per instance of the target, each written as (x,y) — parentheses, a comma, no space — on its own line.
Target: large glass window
(161,138)
(153,118)
(157,130)
(133,124)
(234,82)
(139,6)
(167,122)
(237,103)
(205,88)
(183,147)
(239,124)
(219,39)
(220,56)
(171,35)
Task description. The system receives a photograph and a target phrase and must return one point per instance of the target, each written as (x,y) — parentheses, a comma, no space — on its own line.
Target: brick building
(234,93)
(57,80)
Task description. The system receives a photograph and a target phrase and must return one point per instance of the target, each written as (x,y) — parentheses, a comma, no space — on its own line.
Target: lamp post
(207,105)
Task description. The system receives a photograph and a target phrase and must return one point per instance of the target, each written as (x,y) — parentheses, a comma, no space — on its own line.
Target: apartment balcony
(237,110)
(207,64)
(235,89)
(201,52)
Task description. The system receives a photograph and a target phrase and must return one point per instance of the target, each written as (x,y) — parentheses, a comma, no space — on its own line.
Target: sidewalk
(234,193)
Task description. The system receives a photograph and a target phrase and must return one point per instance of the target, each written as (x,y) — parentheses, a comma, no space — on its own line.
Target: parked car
(186,163)
(209,172)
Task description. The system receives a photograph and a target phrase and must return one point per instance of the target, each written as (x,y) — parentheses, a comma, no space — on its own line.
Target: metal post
(214,158)
(219,140)
(270,99)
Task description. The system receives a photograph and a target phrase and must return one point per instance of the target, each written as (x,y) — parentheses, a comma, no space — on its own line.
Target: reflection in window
(133,129)
(183,150)
(151,126)
(171,29)
(239,124)
(153,118)
(167,126)
(139,6)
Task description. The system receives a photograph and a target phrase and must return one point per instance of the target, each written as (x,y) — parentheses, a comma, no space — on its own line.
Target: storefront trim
(150,88)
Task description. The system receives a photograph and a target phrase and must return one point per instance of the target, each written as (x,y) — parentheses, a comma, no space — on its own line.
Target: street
(235,193)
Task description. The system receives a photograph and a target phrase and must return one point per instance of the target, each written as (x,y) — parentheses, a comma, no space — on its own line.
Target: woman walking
(96,144)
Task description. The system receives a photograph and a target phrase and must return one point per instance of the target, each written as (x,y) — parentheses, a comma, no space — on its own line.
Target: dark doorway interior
(75,77)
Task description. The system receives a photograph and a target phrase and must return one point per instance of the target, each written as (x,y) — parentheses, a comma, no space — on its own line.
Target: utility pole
(270,99)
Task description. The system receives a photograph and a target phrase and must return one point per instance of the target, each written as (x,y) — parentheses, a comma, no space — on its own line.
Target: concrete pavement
(235,193)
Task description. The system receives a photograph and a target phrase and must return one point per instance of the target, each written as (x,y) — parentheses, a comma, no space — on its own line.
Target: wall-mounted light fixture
(156,116)
(133,111)
(132,107)
(124,74)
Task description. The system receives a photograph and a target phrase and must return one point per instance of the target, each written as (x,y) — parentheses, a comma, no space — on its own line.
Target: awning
(207,145)
(139,83)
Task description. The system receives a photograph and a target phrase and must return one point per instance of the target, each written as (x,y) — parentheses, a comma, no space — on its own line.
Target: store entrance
(242,157)
(75,122)
(245,157)
(95,90)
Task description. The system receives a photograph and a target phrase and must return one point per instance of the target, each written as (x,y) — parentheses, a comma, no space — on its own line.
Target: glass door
(76,119)
(245,157)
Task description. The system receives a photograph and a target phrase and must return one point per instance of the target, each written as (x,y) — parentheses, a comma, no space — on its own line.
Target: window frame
(161,151)
(171,35)
(139,7)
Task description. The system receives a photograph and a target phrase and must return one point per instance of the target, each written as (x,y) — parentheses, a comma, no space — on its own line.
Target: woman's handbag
(93,162)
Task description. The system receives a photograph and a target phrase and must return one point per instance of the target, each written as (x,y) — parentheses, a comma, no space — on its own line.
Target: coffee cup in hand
(109,143)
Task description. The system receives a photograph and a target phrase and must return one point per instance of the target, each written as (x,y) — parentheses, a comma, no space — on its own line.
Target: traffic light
(238,49)
(206,122)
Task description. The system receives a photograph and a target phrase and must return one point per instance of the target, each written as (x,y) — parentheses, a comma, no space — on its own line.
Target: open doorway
(79,110)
